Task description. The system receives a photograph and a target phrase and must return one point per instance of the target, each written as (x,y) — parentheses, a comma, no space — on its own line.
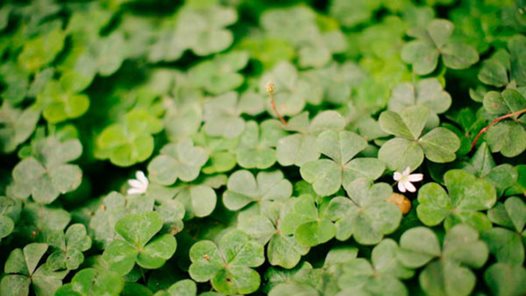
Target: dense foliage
(225,147)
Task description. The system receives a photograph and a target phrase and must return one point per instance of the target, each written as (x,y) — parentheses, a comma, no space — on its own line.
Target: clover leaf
(111,210)
(467,195)
(221,150)
(409,146)
(139,243)
(328,175)
(352,14)
(208,34)
(299,148)
(290,89)
(504,67)
(382,275)
(222,115)
(447,269)
(129,141)
(427,92)
(41,50)
(70,246)
(219,75)
(40,223)
(16,125)
(177,161)
(15,81)
(498,136)
(433,42)
(505,242)
(282,249)
(308,221)
(228,264)
(23,272)
(255,149)
(243,189)
(9,214)
(301,280)
(482,165)
(91,282)
(506,279)
(298,26)
(180,288)
(48,174)
(60,104)
(365,214)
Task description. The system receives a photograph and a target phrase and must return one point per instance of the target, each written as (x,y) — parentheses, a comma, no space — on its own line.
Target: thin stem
(492,123)
(270,91)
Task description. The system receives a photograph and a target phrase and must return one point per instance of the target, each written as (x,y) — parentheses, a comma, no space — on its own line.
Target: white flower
(404,180)
(139,185)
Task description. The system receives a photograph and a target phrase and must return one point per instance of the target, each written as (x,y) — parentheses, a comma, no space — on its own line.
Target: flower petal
(410,187)
(407,171)
(401,187)
(135,183)
(415,177)
(141,177)
(134,191)
(397,176)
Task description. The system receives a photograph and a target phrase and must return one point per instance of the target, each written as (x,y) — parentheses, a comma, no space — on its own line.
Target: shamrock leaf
(22,272)
(409,146)
(129,141)
(9,213)
(298,26)
(244,189)
(355,13)
(15,81)
(16,125)
(482,165)
(446,270)
(308,221)
(48,174)
(467,195)
(208,34)
(299,148)
(506,279)
(39,223)
(327,175)
(301,280)
(282,249)
(504,67)
(434,41)
(177,161)
(140,244)
(427,92)
(380,276)
(180,288)
(41,50)
(222,115)
(255,149)
(228,264)
(60,104)
(505,242)
(365,214)
(507,137)
(69,248)
(219,75)
(290,89)
(92,282)
(221,150)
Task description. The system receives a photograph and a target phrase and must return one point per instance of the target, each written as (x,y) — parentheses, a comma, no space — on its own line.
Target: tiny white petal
(397,176)
(415,177)
(135,183)
(134,191)
(410,187)
(401,187)
(141,177)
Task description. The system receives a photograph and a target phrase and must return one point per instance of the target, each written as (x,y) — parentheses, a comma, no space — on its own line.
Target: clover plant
(251,147)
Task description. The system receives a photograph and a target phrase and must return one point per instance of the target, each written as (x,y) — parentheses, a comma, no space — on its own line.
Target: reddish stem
(492,123)
(270,91)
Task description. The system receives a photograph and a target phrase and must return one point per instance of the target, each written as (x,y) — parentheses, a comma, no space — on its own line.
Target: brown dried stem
(270,91)
(492,123)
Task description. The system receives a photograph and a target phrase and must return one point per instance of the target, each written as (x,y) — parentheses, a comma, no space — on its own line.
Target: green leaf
(365,215)
(41,50)
(157,251)
(17,125)
(418,246)
(439,145)
(505,279)
(508,138)
(517,46)
(139,228)
(243,188)
(177,161)
(427,92)
(467,196)
(92,281)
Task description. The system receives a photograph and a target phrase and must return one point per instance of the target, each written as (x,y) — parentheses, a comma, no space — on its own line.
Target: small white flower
(138,185)
(404,180)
